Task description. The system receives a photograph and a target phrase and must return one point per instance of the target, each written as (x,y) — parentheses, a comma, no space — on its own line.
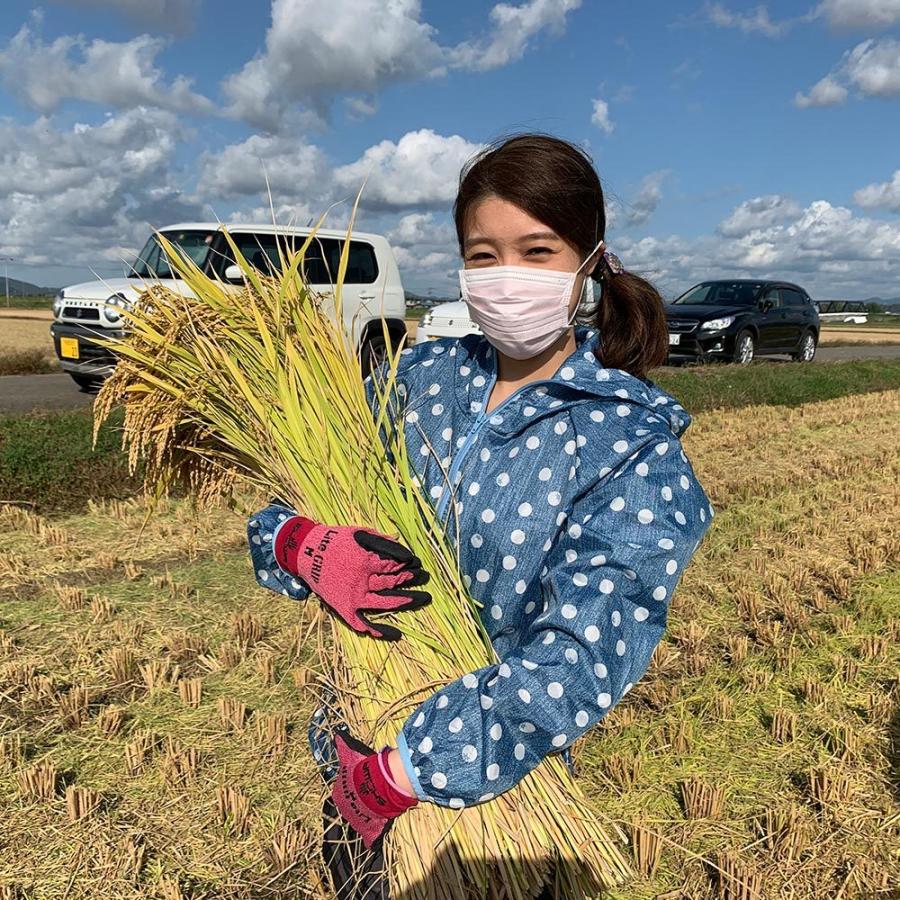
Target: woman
(557,464)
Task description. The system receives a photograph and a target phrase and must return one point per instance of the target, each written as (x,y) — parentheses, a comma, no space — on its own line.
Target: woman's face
(499,233)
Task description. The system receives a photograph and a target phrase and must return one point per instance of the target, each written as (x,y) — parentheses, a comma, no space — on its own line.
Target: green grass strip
(776,384)
(46,461)
(46,458)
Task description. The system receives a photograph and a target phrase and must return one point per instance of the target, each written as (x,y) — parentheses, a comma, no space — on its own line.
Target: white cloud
(512,29)
(81,194)
(360,107)
(421,169)
(758,213)
(294,169)
(641,207)
(874,68)
(647,199)
(434,263)
(422,230)
(825,248)
(317,51)
(885,194)
(177,16)
(861,14)
(757,21)
(425,247)
(871,67)
(600,116)
(121,75)
(825,92)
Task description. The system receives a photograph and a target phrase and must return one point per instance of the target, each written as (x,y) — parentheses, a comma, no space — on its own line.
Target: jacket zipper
(473,432)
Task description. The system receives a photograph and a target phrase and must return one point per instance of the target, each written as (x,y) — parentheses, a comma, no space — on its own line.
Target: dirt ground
(25,334)
(859,335)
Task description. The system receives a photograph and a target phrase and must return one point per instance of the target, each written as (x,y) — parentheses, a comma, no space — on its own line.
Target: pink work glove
(364,793)
(354,570)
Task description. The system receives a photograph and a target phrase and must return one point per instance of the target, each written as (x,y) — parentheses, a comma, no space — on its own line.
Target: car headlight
(717,324)
(58,304)
(113,304)
(426,320)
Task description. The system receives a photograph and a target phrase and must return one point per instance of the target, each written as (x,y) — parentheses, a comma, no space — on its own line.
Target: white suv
(372,288)
(446,320)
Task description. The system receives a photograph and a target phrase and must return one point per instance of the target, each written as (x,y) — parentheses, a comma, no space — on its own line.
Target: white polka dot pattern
(581,513)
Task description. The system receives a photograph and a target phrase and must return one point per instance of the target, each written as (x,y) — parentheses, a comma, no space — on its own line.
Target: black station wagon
(737,320)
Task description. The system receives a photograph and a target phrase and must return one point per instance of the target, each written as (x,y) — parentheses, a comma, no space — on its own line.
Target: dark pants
(359,874)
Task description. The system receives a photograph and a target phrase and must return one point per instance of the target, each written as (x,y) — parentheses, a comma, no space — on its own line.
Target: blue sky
(733,139)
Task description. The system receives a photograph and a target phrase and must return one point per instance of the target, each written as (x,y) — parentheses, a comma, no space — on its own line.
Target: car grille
(682,326)
(82,313)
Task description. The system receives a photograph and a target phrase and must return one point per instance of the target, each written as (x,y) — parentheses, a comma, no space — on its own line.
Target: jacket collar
(580,376)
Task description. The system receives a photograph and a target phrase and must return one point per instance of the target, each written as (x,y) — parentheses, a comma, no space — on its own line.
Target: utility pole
(6,261)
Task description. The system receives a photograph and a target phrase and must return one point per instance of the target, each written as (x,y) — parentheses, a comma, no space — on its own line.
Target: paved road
(19,393)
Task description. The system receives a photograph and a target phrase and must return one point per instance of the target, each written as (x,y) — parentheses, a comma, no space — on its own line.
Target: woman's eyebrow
(534,236)
(539,236)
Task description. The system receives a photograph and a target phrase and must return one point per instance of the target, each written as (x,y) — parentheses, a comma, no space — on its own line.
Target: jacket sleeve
(261,530)
(607,584)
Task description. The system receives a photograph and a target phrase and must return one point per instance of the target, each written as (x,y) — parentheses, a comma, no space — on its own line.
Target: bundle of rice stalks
(260,386)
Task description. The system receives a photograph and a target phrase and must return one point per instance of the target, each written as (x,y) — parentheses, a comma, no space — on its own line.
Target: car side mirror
(234,273)
(766,304)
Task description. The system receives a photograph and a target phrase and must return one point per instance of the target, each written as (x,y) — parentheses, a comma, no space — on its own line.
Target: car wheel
(374,353)
(89,384)
(807,349)
(744,347)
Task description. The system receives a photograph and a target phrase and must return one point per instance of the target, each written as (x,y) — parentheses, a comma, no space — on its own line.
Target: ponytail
(630,320)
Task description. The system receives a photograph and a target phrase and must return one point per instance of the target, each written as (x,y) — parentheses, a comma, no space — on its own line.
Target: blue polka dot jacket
(575,511)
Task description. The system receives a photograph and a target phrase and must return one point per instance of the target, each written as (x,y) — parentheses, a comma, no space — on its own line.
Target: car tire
(88,384)
(374,352)
(806,349)
(744,347)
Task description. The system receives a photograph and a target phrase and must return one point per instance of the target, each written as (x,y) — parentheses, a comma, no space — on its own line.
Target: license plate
(674,338)
(68,347)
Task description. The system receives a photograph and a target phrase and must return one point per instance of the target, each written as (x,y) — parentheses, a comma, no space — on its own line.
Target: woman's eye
(538,250)
(478,257)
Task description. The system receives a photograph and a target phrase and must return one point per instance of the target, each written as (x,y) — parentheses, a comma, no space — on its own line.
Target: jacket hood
(580,375)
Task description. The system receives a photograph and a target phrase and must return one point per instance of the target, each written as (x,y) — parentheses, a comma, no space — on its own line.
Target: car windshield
(152,263)
(720,293)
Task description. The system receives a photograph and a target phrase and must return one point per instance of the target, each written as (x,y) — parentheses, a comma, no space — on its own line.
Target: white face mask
(522,310)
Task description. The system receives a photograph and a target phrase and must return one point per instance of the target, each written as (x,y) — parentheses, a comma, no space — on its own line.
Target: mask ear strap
(601,245)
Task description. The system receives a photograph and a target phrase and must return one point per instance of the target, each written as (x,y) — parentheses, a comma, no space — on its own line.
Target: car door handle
(366,296)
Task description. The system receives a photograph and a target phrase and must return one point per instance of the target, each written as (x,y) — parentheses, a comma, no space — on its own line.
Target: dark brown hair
(555,182)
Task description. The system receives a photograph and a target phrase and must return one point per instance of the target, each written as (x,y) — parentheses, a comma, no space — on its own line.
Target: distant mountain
(23,288)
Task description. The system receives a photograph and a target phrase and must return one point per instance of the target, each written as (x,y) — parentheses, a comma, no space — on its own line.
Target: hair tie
(614,264)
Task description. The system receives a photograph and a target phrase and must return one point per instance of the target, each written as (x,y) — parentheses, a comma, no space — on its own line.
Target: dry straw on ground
(817,526)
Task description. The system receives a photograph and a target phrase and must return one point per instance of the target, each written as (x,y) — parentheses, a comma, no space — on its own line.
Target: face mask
(521,310)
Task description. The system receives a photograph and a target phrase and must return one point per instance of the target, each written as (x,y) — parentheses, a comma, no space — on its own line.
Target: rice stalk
(38,782)
(261,388)
(80,802)
(233,807)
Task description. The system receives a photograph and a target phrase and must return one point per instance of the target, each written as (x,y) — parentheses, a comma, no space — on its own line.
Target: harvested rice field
(154,700)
